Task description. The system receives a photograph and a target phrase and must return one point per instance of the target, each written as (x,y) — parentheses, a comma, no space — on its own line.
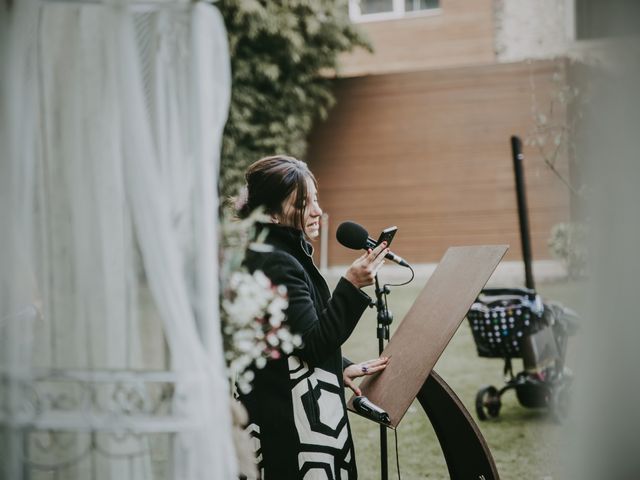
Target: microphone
(370,410)
(354,236)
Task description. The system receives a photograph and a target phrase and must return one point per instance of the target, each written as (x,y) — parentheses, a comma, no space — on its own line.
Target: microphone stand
(385,317)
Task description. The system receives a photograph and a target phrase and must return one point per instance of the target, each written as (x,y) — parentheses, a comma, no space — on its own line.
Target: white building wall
(533,29)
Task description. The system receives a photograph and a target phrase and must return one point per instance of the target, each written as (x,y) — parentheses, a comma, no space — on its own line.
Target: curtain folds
(112,120)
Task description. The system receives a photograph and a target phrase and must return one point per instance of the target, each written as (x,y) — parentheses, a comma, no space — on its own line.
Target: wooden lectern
(417,345)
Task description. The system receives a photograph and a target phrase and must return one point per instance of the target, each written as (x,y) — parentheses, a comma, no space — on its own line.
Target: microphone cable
(395,432)
(386,285)
(413,275)
(384,288)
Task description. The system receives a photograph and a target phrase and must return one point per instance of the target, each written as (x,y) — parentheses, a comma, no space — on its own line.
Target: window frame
(397,13)
(571,27)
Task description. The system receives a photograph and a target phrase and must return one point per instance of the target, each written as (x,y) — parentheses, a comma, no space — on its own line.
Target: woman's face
(312,211)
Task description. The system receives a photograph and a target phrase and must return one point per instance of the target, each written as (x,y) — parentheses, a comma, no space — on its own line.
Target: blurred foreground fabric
(111,363)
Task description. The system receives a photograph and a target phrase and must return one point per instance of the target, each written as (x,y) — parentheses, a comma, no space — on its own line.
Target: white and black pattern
(300,406)
(254,432)
(321,422)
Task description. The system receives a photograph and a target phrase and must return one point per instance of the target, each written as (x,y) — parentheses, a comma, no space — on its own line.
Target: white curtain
(112,116)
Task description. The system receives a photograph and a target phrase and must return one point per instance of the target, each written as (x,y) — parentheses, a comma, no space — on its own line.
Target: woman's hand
(361,369)
(363,271)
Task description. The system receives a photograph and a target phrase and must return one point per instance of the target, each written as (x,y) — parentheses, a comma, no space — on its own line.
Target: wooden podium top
(428,327)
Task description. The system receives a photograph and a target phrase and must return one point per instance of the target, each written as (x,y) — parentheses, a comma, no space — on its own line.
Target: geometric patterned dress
(297,410)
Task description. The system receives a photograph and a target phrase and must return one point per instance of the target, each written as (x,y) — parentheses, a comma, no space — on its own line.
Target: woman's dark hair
(271,180)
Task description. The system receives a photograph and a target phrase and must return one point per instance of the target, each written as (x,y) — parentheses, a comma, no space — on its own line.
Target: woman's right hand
(363,271)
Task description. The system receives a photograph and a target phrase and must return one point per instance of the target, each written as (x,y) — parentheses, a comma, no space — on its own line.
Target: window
(417,5)
(598,19)
(369,10)
(368,7)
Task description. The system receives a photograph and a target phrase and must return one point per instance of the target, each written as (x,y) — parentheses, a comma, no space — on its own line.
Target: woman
(297,405)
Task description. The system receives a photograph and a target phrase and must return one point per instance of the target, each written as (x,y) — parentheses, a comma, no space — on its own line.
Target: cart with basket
(513,323)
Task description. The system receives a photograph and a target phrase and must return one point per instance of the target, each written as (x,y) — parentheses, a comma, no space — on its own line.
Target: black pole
(523,215)
(384,320)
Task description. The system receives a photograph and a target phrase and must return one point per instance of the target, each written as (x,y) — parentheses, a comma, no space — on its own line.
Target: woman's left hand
(361,369)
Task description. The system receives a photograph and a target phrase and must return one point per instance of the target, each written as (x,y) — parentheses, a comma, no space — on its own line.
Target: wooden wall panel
(462,33)
(429,151)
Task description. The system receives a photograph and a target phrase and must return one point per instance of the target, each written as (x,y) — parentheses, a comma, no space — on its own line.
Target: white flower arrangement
(252,312)
(253,316)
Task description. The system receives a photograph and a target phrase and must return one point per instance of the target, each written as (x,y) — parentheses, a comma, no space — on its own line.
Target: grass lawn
(524,442)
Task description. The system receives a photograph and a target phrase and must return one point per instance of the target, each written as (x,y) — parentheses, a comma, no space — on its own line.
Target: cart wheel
(532,394)
(560,402)
(488,402)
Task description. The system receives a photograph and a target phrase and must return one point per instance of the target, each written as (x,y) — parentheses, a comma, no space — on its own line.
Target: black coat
(297,406)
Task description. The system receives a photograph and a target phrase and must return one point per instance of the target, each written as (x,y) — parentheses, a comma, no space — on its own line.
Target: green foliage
(282,53)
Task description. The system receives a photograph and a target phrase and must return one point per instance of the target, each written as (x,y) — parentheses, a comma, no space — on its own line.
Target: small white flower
(244,386)
(272,340)
(258,348)
(275,321)
(244,345)
(262,279)
(283,334)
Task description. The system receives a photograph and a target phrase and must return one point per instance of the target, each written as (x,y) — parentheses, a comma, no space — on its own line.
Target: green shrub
(283,54)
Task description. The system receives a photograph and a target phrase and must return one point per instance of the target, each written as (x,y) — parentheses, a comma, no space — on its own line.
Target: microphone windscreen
(352,235)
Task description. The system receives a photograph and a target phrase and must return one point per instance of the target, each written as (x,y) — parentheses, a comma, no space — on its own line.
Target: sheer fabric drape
(111,119)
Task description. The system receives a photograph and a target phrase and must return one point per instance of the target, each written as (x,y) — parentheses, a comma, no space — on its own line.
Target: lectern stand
(417,345)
